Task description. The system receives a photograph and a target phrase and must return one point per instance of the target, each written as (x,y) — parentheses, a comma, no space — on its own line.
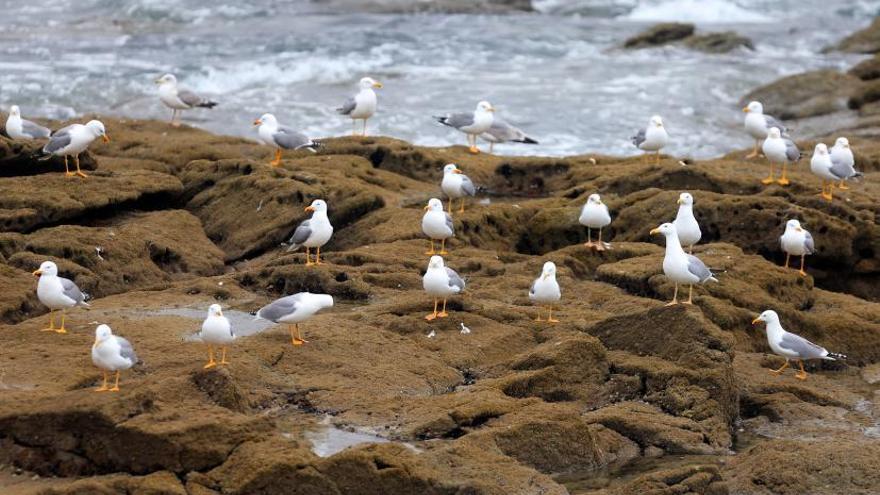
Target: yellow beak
(258,122)
(492,109)
(655,231)
(756,320)
(37,273)
(309,208)
(377,85)
(426,207)
(96,342)
(106,138)
(158,81)
(679,201)
(799,229)
(746,109)
(456,171)
(219,312)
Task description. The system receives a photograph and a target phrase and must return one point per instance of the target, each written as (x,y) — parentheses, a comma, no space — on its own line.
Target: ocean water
(556,73)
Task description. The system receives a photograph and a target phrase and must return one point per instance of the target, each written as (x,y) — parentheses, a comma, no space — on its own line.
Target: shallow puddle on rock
(585,482)
(243,324)
(328,439)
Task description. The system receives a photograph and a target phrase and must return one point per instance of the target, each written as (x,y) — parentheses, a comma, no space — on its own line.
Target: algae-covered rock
(660,34)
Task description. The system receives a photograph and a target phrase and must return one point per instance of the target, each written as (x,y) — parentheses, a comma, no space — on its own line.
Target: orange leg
(443,247)
(308,257)
(550,318)
(318,257)
(67,171)
(443,313)
(211,362)
(589,242)
(787,257)
(674,297)
(802,272)
(277,161)
(431,252)
(433,315)
(600,246)
(116,386)
(103,387)
(783,181)
(769,180)
(78,171)
(802,375)
(461,210)
(842,186)
(780,370)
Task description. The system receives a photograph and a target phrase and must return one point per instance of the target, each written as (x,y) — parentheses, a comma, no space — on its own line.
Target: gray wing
(803,347)
(72,291)
(791,151)
(454,279)
(59,140)
(190,98)
(300,235)
(774,122)
(467,186)
(347,107)
(698,268)
(639,138)
(126,350)
(840,169)
(808,243)
(449,223)
(33,130)
(501,132)
(289,139)
(279,308)
(457,120)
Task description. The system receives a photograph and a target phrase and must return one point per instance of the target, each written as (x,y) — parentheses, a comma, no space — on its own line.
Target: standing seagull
(472,124)
(791,346)
(23,130)
(680,267)
(796,241)
(652,138)
(282,137)
(456,185)
(685,224)
(437,225)
(440,282)
(57,293)
(216,330)
(179,99)
(827,170)
(361,106)
(545,291)
(73,140)
(111,353)
(594,215)
(757,124)
(294,310)
(312,233)
(502,132)
(779,149)
(844,161)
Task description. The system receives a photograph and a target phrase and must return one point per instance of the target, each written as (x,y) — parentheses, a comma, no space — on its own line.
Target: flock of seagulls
(113,354)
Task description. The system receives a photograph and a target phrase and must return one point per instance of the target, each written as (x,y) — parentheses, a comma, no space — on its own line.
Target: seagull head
(266,119)
(666,229)
(821,149)
(793,225)
(685,199)
(102,333)
(47,268)
(754,107)
(215,310)
(594,199)
(97,128)
(768,316)
(549,270)
(434,204)
(369,82)
(656,121)
(14,111)
(842,142)
(436,262)
(773,133)
(485,106)
(451,168)
(166,79)
(317,205)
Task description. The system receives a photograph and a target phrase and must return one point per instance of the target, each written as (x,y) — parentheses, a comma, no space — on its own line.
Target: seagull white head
(594,199)
(436,262)
(768,316)
(434,204)
(14,110)
(821,149)
(754,107)
(656,121)
(102,333)
(267,119)
(842,142)
(167,79)
(685,199)
(317,205)
(549,270)
(793,225)
(369,82)
(215,310)
(97,128)
(485,106)
(47,268)
(451,168)
(773,133)
(666,229)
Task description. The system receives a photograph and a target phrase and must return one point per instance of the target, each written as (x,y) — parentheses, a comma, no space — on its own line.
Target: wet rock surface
(622,396)
(662,34)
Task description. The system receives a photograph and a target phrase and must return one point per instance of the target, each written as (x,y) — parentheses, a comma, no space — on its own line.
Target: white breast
(106,356)
(655,138)
(687,227)
(546,291)
(756,125)
(436,283)
(482,123)
(843,155)
(594,216)
(774,149)
(14,128)
(51,293)
(265,132)
(451,185)
(168,95)
(793,242)
(365,104)
(216,330)
(434,225)
(322,231)
(821,165)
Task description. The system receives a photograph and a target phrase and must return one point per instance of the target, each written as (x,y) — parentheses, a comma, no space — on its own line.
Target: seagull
(758,123)
(361,106)
(440,282)
(312,233)
(680,267)
(685,224)
(437,225)
(294,310)
(545,291)
(471,124)
(594,215)
(502,132)
(456,185)
(796,241)
(179,99)
(843,159)
(282,137)
(73,140)
(216,330)
(23,130)
(111,353)
(791,346)
(652,138)
(822,166)
(779,149)
(57,293)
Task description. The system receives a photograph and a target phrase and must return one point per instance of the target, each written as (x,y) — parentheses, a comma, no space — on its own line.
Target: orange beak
(309,208)
(756,320)
(258,122)
(456,171)
(746,109)
(106,138)
(655,231)
(426,208)
(37,273)
(377,85)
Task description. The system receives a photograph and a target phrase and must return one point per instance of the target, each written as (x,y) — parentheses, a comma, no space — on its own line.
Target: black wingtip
(442,120)
(836,355)
(527,140)
(208,104)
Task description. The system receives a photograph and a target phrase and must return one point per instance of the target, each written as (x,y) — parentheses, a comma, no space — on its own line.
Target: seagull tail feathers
(834,356)
(526,140)
(207,104)
(293,247)
(442,119)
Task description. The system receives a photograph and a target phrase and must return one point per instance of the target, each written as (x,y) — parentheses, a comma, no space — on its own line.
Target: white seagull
(594,215)
(179,99)
(361,106)
(681,267)
(437,225)
(652,138)
(282,137)
(23,130)
(472,124)
(827,170)
(757,124)
(685,224)
(779,149)
(57,293)
(440,282)
(456,185)
(844,161)
(796,241)
(791,346)
(312,233)
(73,140)
(545,291)
(294,310)
(216,330)
(502,132)
(111,353)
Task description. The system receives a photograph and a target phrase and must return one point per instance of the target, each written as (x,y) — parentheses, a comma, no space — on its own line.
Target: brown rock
(718,42)
(865,41)
(813,93)
(660,34)
(867,69)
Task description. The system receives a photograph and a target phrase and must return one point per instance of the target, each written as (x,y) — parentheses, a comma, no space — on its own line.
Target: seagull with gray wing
(796,241)
(111,353)
(282,137)
(652,138)
(179,99)
(294,310)
(472,124)
(791,346)
(456,185)
(73,140)
(57,293)
(757,124)
(362,105)
(681,267)
(439,282)
(502,132)
(22,129)
(312,233)
(779,149)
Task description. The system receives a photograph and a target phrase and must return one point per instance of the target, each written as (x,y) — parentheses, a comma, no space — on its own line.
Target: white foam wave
(696,11)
